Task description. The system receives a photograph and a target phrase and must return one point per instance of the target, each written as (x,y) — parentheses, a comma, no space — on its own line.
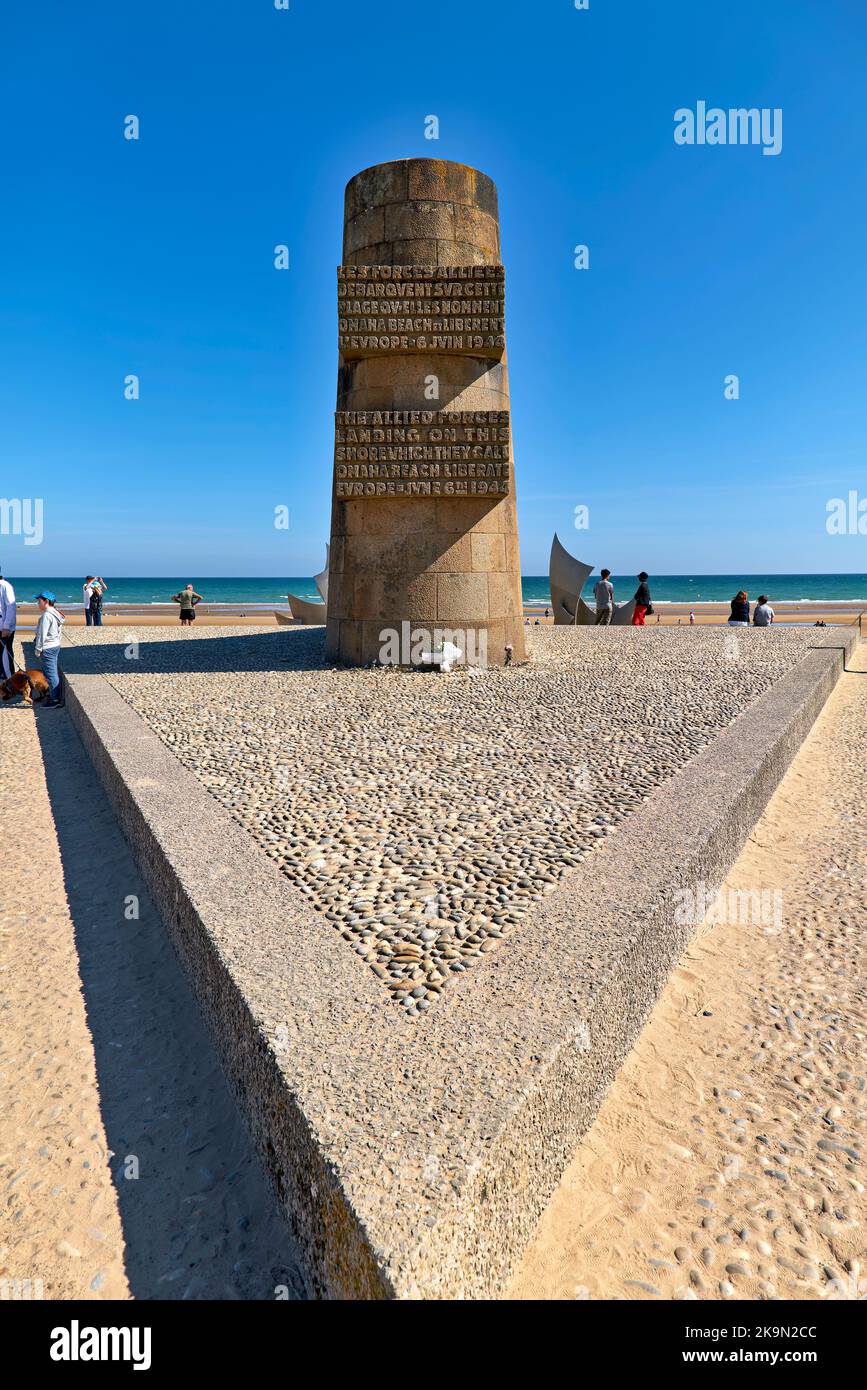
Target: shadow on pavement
(298,649)
(199,1220)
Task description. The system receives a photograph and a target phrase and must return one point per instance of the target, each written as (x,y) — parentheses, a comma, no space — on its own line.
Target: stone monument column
(423,522)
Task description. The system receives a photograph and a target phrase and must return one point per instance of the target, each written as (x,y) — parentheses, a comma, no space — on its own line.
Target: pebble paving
(425,815)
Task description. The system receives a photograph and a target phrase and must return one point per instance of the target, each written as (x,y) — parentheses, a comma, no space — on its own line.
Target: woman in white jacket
(46,645)
(7,627)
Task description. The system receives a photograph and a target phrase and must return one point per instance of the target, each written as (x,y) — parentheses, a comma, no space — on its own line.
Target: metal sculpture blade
(321,580)
(567,577)
(303,611)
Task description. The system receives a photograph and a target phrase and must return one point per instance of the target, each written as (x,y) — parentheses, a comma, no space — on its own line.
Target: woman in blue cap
(46,645)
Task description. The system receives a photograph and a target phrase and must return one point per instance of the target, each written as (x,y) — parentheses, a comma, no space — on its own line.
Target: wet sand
(677,614)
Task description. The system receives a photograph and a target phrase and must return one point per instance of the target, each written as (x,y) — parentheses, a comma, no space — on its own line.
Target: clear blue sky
(156,258)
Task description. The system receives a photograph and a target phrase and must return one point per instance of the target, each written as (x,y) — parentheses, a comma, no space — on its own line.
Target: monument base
(413,1152)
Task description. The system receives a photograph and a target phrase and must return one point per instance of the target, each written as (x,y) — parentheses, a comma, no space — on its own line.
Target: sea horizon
(265,592)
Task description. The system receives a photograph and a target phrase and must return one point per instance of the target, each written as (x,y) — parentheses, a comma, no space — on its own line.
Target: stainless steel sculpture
(567,577)
(311,613)
(321,579)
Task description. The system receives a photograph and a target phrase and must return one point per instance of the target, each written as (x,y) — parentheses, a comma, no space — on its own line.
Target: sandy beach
(156,616)
(214,615)
(726,1159)
(125,1167)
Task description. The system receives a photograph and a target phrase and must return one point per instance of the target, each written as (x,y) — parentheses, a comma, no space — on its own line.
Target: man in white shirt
(604,592)
(86,593)
(7,627)
(763,613)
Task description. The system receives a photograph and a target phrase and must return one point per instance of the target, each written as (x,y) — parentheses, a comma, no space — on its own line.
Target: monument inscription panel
(421,453)
(384,308)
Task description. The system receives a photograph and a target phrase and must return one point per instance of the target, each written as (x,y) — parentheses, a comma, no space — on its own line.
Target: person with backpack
(95,586)
(46,645)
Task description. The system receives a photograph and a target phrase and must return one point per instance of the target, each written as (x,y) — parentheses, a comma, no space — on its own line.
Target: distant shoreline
(536,606)
(668,614)
(239,593)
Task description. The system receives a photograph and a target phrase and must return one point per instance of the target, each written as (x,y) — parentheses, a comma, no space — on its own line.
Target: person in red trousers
(643,605)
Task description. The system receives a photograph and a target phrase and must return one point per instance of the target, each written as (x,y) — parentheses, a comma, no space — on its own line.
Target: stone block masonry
(423,467)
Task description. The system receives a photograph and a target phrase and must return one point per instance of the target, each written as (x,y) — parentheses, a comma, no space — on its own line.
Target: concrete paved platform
(414,1157)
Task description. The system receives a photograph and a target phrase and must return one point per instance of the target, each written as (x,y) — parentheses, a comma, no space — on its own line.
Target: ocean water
(665,588)
(721,588)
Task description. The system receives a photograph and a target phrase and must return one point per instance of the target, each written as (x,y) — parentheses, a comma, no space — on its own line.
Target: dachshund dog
(30,685)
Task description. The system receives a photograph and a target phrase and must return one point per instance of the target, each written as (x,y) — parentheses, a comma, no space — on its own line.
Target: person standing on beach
(46,645)
(94,588)
(763,613)
(97,589)
(7,627)
(604,592)
(643,605)
(187,598)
